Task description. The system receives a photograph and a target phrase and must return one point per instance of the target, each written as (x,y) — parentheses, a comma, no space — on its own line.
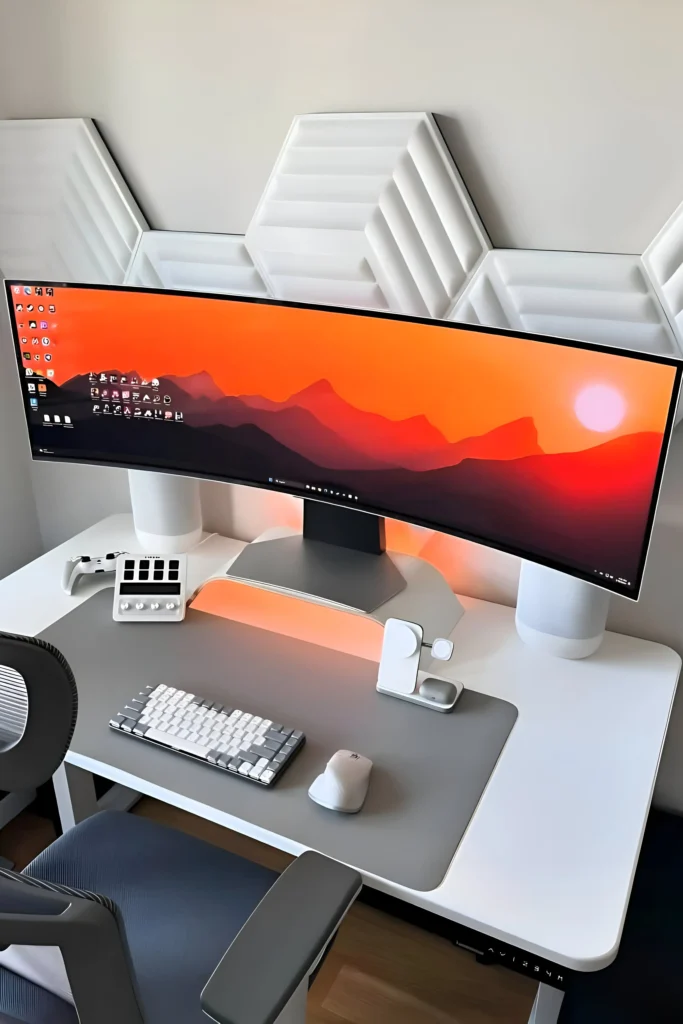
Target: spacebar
(175,743)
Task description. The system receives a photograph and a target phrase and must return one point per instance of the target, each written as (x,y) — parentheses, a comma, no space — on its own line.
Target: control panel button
(140,605)
(124,606)
(170,605)
(155,606)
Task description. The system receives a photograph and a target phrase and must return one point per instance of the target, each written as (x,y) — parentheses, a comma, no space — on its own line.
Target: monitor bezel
(588,577)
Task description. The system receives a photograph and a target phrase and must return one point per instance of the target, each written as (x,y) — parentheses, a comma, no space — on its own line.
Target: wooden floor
(380,971)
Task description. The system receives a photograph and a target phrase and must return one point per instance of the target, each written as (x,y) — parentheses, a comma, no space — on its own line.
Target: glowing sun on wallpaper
(600,407)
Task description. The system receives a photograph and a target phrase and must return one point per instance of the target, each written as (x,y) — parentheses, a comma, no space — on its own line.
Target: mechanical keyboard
(246,745)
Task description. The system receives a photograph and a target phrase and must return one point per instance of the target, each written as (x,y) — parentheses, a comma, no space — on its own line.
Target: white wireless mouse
(344,783)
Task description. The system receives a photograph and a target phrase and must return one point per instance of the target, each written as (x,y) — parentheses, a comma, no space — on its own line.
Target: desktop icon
(124,378)
(31,387)
(148,414)
(27,356)
(24,341)
(32,324)
(30,308)
(34,403)
(48,357)
(158,414)
(46,418)
(115,394)
(127,411)
(144,383)
(137,413)
(29,371)
(134,381)
(104,392)
(113,378)
(118,411)
(167,399)
(50,373)
(16,290)
(156,399)
(168,414)
(125,395)
(58,419)
(106,409)
(27,291)
(155,382)
(39,291)
(41,309)
(96,409)
(49,291)
(35,341)
(94,392)
(52,309)
(36,356)
(43,324)
(136,396)
(92,377)
(42,389)
(67,419)
(178,417)
(146,398)
(45,341)
(103,378)
(20,308)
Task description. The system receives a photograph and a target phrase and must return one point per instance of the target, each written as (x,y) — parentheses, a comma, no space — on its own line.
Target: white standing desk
(548,859)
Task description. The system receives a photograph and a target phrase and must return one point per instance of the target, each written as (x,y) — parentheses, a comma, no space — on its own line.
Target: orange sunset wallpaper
(528,445)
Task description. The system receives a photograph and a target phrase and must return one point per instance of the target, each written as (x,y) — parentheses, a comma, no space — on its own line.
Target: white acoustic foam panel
(65,211)
(597,297)
(367,210)
(195,262)
(663,260)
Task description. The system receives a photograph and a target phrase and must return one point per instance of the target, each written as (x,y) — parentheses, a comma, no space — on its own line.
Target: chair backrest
(38,709)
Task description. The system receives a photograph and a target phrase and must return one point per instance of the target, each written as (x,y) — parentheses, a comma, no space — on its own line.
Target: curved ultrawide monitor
(548,449)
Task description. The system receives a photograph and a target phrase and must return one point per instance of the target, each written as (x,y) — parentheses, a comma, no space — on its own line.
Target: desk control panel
(150,588)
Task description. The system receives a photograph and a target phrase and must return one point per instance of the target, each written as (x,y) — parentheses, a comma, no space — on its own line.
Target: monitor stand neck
(340,558)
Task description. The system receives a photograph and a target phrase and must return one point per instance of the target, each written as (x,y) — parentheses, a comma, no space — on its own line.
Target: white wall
(563,118)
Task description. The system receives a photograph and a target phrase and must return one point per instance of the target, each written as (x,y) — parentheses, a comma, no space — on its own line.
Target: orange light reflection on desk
(292,616)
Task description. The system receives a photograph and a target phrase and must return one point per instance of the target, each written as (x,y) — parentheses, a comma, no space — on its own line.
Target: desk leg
(295,1010)
(75,794)
(76,799)
(546,1008)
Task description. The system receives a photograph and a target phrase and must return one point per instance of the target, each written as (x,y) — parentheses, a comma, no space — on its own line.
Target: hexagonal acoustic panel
(65,211)
(195,262)
(367,210)
(663,260)
(597,297)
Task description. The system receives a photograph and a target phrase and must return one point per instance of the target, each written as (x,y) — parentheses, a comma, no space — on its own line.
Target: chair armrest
(280,944)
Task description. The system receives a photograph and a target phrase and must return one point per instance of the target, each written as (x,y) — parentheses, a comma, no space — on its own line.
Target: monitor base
(337,575)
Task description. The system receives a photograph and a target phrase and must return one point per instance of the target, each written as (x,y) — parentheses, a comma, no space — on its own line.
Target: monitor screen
(548,449)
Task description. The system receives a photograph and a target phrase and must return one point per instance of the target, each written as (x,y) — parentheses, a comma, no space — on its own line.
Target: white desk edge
(548,859)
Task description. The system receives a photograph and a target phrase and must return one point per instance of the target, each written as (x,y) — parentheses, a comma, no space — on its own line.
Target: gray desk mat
(429,772)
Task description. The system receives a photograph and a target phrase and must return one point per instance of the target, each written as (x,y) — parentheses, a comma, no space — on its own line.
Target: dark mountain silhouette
(296,428)
(381,438)
(513,440)
(198,385)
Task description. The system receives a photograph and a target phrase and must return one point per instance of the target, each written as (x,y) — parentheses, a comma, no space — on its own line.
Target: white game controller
(85,565)
(399,667)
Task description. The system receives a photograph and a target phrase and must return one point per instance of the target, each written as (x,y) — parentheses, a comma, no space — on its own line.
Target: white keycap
(256,720)
(183,733)
(172,730)
(245,768)
(262,763)
(267,775)
(246,718)
(235,715)
(259,741)
(266,723)
(255,772)
(245,744)
(262,729)
(186,745)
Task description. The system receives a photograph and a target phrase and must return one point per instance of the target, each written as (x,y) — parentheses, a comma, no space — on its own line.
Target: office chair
(154,926)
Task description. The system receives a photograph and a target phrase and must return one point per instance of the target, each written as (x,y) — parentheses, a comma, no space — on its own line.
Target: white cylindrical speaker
(558,614)
(167,511)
